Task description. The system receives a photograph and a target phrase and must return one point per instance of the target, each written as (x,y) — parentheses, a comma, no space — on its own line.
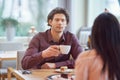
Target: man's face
(58,23)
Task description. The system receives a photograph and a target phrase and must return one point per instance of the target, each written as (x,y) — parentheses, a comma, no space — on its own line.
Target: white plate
(66,71)
(58,77)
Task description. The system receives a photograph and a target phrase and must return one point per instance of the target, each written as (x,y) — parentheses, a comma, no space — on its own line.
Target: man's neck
(56,35)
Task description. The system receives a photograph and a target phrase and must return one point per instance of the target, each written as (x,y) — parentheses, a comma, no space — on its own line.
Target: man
(43,50)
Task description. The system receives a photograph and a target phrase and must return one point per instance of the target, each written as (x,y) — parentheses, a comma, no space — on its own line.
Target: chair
(12,72)
(83,36)
(20,55)
(8,47)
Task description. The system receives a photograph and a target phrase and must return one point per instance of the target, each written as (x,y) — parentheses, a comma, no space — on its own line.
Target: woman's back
(89,67)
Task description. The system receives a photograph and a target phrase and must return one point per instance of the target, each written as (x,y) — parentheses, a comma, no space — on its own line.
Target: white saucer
(66,71)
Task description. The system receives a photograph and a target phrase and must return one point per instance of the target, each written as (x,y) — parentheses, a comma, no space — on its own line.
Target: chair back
(20,55)
(83,36)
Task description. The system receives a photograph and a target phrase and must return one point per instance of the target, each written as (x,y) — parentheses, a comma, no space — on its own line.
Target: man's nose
(60,22)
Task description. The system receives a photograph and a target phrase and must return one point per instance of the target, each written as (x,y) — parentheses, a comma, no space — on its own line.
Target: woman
(102,62)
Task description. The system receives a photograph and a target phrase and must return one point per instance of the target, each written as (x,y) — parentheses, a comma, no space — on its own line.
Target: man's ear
(49,22)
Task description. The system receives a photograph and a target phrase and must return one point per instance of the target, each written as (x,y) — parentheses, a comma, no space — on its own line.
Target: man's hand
(51,51)
(48,66)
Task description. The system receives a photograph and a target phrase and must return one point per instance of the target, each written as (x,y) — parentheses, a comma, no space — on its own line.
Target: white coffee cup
(64,49)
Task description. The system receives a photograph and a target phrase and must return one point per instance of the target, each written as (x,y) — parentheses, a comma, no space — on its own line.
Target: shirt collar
(50,39)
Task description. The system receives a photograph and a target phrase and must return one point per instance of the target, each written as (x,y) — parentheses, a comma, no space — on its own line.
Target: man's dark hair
(57,10)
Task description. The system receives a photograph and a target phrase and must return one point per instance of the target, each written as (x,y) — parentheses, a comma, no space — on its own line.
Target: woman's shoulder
(86,56)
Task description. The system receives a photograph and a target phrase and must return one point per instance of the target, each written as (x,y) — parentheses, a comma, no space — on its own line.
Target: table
(37,74)
(7,56)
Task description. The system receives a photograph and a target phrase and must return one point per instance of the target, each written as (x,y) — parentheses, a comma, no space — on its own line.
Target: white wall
(95,7)
(79,14)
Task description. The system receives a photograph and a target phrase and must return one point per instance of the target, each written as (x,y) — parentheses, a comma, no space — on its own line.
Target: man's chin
(59,31)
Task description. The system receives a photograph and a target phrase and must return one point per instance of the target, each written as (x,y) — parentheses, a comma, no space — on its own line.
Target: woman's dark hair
(105,39)
(57,10)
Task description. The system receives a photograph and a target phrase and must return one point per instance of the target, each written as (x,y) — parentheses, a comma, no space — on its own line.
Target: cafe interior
(28,17)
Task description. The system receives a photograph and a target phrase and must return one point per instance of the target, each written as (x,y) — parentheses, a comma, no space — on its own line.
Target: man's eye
(56,19)
(63,20)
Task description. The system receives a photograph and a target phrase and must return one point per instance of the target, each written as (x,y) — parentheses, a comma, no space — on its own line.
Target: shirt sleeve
(33,57)
(69,63)
(74,52)
(76,48)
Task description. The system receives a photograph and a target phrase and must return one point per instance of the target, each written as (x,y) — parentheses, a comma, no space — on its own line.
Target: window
(27,12)
(114,7)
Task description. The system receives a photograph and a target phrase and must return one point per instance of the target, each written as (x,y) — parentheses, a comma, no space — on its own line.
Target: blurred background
(20,20)
(28,15)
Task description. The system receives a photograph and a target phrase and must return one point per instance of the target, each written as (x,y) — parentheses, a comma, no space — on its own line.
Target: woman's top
(88,66)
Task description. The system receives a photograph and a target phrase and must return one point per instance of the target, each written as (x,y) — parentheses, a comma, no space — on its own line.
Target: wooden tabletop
(7,56)
(38,74)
